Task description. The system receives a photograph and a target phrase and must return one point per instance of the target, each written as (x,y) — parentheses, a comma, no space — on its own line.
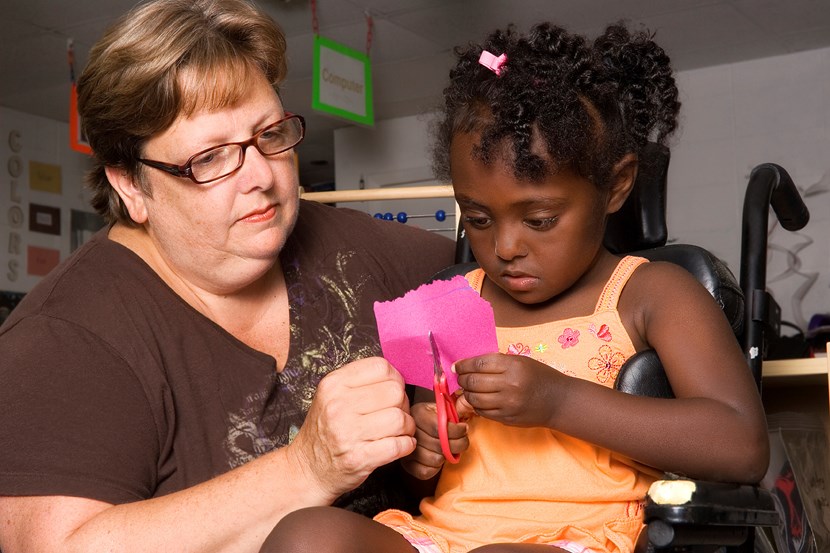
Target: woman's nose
(256,171)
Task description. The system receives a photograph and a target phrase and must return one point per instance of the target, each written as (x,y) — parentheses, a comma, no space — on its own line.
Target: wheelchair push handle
(776,188)
(769,185)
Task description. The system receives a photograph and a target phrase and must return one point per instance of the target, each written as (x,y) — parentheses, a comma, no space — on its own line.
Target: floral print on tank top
(592,347)
(605,364)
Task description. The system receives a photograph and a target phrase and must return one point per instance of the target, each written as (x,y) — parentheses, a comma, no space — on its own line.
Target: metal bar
(397,193)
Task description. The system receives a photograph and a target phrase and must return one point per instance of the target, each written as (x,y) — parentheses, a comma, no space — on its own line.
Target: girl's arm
(714,429)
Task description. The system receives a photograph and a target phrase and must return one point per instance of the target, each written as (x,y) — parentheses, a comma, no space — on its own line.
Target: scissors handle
(446,412)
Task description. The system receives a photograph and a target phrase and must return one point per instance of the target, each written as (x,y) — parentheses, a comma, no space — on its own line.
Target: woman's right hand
(359,420)
(427,459)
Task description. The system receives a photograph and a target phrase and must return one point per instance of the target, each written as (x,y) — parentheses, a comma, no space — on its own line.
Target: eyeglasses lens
(224,160)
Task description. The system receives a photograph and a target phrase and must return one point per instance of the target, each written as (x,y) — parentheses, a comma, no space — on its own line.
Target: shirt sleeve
(75,419)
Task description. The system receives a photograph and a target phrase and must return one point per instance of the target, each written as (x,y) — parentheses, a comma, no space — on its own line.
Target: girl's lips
(519,282)
(260,216)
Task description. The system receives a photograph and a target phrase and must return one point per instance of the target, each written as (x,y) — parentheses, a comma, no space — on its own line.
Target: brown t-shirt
(113,388)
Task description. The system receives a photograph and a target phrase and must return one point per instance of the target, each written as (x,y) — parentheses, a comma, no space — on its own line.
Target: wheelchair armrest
(643,375)
(682,512)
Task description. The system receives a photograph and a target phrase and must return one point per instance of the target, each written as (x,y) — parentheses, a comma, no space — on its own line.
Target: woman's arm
(358,421)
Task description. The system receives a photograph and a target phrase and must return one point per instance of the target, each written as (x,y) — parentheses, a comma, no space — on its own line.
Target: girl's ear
(622,181)
(130,193)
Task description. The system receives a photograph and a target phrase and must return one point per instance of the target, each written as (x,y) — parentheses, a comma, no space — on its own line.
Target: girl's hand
(426,461)
(462,407)
(511,389)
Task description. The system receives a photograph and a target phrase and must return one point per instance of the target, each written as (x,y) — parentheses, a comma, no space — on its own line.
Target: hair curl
(589,104)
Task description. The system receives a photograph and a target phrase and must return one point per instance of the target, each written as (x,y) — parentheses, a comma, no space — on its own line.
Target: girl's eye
(477,222)
(541,224)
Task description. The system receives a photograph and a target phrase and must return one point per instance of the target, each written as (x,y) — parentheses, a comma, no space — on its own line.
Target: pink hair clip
(492,62)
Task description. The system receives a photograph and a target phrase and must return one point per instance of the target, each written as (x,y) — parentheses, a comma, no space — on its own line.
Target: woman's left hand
(511,389)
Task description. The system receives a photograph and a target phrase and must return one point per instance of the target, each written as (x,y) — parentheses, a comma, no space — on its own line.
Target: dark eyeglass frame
(185,170)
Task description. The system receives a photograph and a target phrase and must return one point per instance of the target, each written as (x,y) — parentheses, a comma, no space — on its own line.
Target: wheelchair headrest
(641,221)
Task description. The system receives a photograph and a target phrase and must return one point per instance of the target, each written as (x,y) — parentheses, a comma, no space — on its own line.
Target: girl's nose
(509,245)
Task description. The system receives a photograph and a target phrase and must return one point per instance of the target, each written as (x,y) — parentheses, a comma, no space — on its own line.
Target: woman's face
(534,240)
(223,235)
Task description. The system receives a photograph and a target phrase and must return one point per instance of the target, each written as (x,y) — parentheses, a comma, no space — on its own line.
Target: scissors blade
(436,358)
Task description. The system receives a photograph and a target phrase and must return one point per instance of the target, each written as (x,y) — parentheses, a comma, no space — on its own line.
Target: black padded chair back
(641,221)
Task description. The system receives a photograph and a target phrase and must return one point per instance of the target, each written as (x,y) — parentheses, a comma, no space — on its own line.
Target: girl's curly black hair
(589,104)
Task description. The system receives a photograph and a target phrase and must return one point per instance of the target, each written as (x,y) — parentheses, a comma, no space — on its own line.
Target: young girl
(541,137)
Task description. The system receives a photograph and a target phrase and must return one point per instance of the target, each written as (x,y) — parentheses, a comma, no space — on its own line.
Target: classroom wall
(44,210)
(392,154)
(735,117)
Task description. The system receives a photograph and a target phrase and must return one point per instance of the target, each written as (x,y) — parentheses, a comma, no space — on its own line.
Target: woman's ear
(131,194)
(622,182)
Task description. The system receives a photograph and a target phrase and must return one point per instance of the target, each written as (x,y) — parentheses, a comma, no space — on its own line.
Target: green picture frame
(342,83)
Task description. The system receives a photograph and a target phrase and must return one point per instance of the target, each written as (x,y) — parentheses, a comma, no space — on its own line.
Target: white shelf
(783,368)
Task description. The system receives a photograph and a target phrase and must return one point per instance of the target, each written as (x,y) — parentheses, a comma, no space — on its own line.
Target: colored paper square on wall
(45,177)
(42,260)
(45,218)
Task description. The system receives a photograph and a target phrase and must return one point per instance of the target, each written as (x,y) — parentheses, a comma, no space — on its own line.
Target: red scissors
(444,403)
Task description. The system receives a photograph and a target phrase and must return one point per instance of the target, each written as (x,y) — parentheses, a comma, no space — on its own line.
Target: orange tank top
(536,485)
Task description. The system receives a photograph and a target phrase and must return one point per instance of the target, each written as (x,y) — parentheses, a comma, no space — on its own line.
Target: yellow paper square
(45,177)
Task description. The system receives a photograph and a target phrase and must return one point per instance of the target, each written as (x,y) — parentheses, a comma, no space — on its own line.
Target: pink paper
(461,321)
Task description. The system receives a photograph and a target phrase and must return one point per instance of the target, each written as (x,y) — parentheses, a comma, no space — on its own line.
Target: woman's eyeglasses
(223,160)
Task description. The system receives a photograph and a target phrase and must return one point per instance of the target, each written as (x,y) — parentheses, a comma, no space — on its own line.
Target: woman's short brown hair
(162,60)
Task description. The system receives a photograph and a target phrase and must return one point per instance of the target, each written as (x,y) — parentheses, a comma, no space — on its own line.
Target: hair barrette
(492,62)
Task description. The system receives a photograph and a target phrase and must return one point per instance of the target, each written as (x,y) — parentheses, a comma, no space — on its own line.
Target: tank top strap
(613,288)
(476,279)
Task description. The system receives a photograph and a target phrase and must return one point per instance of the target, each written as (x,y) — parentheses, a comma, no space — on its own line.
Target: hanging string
(369,25)
(315,26)
(70,57)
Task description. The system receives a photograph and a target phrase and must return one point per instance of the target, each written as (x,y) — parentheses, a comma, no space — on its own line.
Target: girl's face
(535,240)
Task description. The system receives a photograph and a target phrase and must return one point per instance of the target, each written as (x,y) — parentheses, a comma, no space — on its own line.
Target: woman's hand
(359,420)
(427,459)
(511,389)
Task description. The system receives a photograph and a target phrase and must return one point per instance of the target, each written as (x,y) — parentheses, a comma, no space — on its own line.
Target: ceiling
(411,45)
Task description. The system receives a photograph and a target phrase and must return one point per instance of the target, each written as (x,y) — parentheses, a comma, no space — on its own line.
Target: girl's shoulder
(659,292)
(657,282)
(664,273)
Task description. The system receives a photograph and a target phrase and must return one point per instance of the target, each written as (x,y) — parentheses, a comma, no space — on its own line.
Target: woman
(171,387)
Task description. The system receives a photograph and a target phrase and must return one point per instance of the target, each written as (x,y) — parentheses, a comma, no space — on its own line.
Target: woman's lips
(261,215)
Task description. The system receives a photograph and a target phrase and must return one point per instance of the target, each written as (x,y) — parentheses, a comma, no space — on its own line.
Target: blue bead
(440,215)
(388,216)
(402,217)
(378,215)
